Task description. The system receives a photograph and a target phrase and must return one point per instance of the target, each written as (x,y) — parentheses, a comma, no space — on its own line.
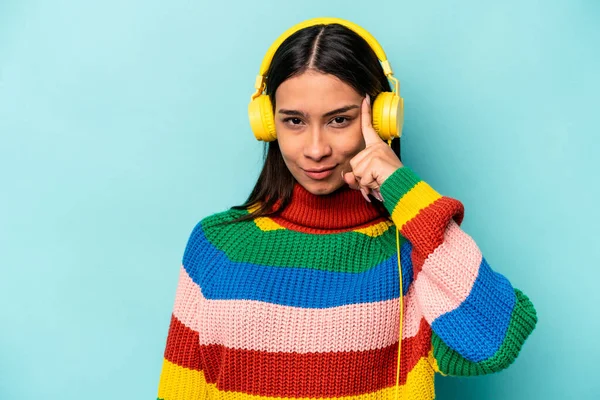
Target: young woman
(307,290)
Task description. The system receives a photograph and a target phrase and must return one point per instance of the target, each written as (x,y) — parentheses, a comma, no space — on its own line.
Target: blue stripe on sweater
(221,278)
(477,328)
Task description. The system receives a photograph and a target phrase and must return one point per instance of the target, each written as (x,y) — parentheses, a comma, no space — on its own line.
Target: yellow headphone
(387,112)
(388,107)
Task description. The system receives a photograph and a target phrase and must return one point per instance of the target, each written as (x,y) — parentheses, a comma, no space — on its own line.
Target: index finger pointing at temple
(369,133)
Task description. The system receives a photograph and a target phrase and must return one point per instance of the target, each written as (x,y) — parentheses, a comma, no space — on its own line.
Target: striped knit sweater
(305,304)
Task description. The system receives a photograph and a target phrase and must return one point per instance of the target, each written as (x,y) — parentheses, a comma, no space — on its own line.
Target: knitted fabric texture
(305,304)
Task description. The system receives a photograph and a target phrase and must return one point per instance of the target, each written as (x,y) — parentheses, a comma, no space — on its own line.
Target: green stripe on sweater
(397,185)
(246,242)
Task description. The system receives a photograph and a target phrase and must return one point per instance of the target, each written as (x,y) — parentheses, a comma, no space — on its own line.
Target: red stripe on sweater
(332,374)
(306,229)
(426,230)
(182,345)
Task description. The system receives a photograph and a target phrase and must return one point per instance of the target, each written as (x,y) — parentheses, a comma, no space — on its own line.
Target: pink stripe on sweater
(263,326)
(448,273)
(187,297)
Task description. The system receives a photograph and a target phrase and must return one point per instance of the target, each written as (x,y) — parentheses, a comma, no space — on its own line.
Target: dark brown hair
(330,49)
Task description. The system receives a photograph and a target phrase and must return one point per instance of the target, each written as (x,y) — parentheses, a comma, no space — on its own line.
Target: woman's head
(316,81)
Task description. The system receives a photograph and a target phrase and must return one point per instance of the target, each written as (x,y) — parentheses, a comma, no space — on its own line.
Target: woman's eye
(340,120)
(293,121)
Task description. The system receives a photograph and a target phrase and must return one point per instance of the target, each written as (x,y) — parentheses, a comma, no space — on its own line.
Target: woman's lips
(319,175)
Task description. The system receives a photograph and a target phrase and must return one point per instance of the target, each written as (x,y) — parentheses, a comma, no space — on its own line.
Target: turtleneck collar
(343,210)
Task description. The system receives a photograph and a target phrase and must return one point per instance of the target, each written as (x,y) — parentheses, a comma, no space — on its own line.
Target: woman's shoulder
(214,223)
(214,232)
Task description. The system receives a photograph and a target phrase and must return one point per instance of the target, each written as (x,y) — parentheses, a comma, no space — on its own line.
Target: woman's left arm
(479,321)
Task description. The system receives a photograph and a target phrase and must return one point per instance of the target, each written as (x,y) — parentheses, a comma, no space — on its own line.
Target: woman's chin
(322,187)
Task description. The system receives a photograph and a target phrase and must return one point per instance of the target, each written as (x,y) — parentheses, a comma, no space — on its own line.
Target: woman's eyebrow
(292,112)
(341,110)
(327,114)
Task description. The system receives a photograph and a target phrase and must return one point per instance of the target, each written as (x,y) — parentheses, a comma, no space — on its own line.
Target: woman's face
(317,119)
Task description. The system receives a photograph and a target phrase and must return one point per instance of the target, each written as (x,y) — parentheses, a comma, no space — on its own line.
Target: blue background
(123,123)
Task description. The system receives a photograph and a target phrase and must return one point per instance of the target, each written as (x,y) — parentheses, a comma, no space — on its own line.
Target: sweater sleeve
(479,321)
(181,377)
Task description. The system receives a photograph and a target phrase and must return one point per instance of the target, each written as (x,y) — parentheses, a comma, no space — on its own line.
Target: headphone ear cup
(388,115)
(260,112)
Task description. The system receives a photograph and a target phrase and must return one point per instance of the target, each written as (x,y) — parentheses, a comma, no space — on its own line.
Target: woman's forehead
(314,92)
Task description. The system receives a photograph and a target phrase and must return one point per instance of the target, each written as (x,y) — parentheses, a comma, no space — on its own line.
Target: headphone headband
(370,39)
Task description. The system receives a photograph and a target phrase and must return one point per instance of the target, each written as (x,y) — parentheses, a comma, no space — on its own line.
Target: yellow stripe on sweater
(266,224)
(178,383)
(419,197)
(375,230)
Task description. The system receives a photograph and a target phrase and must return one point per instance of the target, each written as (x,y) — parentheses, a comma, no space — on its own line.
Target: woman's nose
(317,145)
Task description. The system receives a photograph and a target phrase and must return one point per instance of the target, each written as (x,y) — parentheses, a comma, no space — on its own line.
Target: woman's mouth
(318,175)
